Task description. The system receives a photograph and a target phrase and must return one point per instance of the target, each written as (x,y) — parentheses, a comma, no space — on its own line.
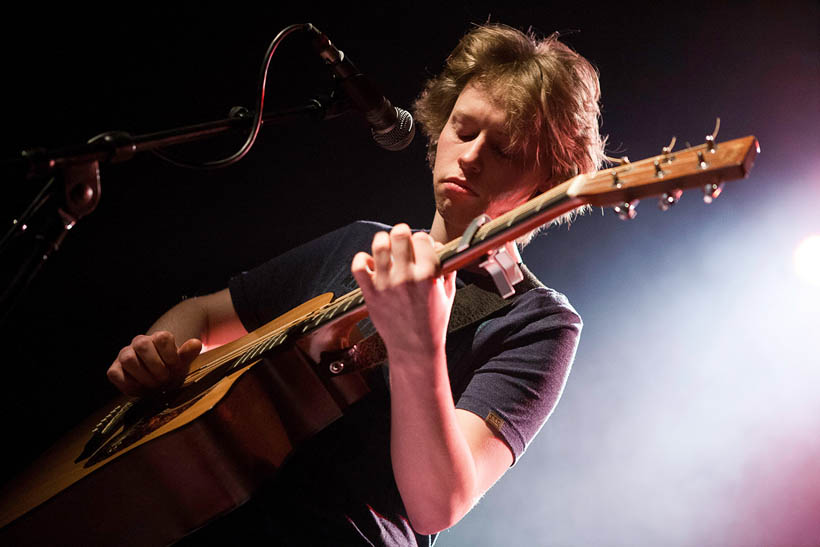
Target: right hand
(152,363)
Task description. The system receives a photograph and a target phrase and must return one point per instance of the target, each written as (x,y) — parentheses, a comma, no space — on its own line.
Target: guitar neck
(707,165)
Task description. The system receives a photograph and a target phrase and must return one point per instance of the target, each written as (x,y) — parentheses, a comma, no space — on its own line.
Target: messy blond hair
(550,92)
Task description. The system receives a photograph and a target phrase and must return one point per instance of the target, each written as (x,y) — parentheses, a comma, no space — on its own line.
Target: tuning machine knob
(659,172)
(711,144)
(702,163)
(668,199)
(666,152)
(712,191)
(626,210)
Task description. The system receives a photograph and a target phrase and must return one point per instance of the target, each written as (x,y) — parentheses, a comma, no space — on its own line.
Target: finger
(186,354)
(427,264)
(166,347)
(381,252)
(381,259)
(132,387)
(401,246)
(132,365)
(189,351)
(122,381)
(363,269)
(149,357)
(362,263)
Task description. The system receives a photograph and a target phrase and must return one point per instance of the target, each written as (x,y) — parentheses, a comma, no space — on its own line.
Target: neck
(442,231)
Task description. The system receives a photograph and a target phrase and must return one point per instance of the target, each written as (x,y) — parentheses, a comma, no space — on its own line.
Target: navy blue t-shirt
(339,489)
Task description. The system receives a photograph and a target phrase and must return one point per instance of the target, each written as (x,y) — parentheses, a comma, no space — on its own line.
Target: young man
(507,118)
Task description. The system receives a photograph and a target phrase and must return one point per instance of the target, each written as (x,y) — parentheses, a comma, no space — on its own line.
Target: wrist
(427,367)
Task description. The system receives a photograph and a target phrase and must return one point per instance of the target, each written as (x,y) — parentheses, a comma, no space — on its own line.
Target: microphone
(392,127)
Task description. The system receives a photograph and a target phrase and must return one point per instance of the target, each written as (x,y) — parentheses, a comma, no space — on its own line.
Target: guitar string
(328,311)
(252,346)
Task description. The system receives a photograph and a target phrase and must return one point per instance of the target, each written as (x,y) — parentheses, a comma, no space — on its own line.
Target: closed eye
(465,133)
(502,151)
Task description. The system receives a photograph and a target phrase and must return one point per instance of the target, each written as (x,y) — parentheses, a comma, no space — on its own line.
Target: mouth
(455,184)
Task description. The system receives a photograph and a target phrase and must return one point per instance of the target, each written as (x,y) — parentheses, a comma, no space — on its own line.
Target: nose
(469,160)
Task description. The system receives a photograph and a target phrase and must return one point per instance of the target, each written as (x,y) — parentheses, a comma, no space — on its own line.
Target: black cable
(257,116)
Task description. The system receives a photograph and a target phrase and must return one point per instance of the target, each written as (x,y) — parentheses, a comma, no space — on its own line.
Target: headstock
(667,175)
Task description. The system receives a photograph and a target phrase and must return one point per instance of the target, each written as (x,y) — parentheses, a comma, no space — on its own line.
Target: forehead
(476,103)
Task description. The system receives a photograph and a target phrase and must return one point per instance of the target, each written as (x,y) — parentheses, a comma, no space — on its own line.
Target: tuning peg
(666,150)
(623,160)
(711,145)
(668,199)
(659,172)
(702,163)
(626,210)
(711,192)
(616,182)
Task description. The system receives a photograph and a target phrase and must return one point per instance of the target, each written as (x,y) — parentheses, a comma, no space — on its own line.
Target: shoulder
(539,322)
(368,225)
(356,229)
(341,243)
(547,302)
(356,236)
(537,302)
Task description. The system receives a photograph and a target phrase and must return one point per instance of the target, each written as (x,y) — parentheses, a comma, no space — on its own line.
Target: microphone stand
(73,188)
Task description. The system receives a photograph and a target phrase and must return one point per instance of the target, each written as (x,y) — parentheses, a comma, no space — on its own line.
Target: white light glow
(807,260)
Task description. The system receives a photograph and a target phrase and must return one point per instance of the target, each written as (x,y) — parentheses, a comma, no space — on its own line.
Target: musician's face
(473,173)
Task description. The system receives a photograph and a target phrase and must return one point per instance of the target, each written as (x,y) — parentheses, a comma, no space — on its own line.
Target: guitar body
(204,459)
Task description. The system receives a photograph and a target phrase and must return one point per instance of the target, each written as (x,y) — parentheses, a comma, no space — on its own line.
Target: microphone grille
(401,135)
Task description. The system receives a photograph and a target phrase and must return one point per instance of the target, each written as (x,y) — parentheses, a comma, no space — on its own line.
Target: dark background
(668,299)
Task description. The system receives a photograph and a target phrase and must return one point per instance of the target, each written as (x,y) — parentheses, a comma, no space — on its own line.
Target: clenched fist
(152,363)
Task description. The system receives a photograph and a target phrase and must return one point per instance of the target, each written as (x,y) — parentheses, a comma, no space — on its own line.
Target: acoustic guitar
(189,455)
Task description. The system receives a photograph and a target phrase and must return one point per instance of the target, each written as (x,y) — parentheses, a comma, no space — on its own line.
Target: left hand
(408,300)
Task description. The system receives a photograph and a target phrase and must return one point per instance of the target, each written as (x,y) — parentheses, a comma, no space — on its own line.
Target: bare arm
(443,459)
(157,360)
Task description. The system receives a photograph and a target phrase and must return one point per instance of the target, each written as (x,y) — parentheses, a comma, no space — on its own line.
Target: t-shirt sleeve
(525,357)
(290,279)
